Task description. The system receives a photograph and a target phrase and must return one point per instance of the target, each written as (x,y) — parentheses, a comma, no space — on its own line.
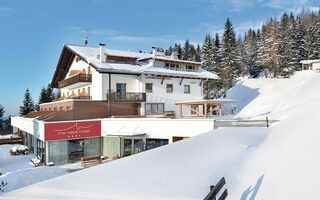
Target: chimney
(103,56)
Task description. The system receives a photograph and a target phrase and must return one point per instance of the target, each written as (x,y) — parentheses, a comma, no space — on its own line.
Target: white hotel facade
(116,103)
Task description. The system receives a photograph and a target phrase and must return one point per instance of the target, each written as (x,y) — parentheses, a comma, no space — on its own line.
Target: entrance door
(75,150)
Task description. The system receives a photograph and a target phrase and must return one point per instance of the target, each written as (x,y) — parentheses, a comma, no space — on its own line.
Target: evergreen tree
(1,115)
(216,49)
(28,105)
(250,53)
(240,56)
(50,94)
(186,51)
(207,59)
(178,49)
(228,67)
(269,52)
(198,53)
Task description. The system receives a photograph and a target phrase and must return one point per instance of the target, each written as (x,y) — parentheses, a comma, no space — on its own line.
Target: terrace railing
(128,97)
(75,79)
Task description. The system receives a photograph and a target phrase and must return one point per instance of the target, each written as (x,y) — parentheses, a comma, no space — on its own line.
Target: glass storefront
(111,147)
(69,151)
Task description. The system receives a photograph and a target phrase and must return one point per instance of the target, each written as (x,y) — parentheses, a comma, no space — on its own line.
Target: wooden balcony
(128,97)
(78,78)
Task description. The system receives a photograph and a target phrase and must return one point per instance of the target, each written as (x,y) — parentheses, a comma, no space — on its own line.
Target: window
(50,109)
(55,108)
(121,62)
(78,92)
(67,94)
(187,89)
(45,109)
(130,62)
(178,67)
(89,70)
(169,88)
(68,107)
(112,61)
(154,108)
(154,143)
(184,67)
(196,69)
(61,108)
(190,68)
(149,87)
(121,87)
(172,66)
(167,66)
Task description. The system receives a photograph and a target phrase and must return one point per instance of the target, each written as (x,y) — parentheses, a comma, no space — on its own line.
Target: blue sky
(33,31)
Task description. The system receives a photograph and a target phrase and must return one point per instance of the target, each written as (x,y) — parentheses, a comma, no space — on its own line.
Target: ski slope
(281,162)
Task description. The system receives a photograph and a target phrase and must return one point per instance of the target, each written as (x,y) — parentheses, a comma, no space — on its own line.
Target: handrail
(127,97)
(75,79)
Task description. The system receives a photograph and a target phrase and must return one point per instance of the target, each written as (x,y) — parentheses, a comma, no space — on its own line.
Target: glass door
(75,150)
(121,90)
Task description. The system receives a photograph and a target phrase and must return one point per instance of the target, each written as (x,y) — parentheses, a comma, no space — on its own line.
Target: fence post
(267,122)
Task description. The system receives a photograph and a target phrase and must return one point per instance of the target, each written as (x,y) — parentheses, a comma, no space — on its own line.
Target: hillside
(280,162)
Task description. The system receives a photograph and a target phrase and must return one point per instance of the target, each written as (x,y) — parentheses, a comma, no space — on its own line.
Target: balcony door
(121,90)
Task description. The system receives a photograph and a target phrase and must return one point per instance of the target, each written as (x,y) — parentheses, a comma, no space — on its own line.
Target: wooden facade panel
(85,110)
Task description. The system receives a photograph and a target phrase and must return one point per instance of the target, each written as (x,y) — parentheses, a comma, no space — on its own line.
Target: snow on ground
(183,170)
(17,171)
(281,162)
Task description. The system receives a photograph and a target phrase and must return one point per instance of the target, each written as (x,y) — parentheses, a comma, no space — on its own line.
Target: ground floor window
(154,108)
(69,151)
(154,143)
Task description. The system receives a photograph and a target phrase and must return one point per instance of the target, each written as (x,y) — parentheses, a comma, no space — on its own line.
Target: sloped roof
(91,56)
(309,61)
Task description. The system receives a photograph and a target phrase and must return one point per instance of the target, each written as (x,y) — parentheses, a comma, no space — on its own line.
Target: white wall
(159,94)
(32,126)
(157,128)
(316,66)
(100,84)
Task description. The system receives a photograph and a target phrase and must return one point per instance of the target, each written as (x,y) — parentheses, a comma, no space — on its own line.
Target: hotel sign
(72,130)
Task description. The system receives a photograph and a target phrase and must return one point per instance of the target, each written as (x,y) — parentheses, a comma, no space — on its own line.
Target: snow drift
(281,162)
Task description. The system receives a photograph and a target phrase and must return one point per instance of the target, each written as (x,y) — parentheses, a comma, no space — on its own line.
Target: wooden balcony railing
(75,79)
(129,97)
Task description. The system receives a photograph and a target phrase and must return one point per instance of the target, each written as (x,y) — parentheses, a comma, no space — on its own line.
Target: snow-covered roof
(91,56)
(170,59)
(208,101)
(307,62)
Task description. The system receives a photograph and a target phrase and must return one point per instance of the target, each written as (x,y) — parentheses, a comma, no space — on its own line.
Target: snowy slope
(281,162)
(17,171)
(259,97)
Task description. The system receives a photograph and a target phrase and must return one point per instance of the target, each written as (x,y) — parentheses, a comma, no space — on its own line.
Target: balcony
(78,78)
(128,97)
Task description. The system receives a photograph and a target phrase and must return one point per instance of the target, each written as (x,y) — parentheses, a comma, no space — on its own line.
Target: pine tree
(240,56)
(28,105)
(269,52)
(178,49)
(251,52)
(1,115)
(198,53)
(228,70)
(216,49)
(50,94)
(207,60)
(186,51)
